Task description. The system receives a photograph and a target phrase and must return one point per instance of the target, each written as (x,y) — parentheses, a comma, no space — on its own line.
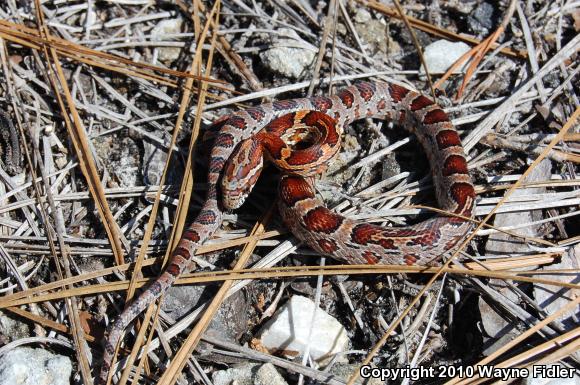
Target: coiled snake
(327,232)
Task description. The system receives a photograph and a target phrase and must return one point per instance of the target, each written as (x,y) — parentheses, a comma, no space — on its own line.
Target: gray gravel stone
(291,62)
(27,366)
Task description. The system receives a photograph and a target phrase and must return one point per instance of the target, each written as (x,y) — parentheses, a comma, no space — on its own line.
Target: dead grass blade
(186,188)
(30,38)
(89,171)
(498,269)
(556,342)
(172,372)
(81,144)
(569,124)
(434,30)
(477,53)
(418,47)
(486,125)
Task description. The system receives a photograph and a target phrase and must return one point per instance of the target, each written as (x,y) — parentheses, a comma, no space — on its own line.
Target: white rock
(27,366)
(242,374)
(441,54)
(249,374)
(290,326)
(268,375)
(13,329)
(362,16)
(161,31)
(291,62)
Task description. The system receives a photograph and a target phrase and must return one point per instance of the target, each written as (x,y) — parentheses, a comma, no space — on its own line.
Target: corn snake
(310,221)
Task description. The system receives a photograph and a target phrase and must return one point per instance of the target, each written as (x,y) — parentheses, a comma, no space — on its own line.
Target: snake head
(242,170)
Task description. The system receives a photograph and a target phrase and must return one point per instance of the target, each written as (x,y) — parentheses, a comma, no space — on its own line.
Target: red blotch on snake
(370,257)
(420,102)
(322,220)
(321,103)
(447,138)
(281,124)
(397,92)
(435,116)
(463,194)
(293,189)
(365,233)
(327,246)
(346,97)
(454,164)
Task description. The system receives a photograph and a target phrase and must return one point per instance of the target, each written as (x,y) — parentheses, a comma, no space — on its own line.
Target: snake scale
(9,145)
(323,230)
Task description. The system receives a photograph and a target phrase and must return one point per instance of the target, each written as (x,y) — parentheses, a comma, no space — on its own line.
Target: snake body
(9,145)
(323,230)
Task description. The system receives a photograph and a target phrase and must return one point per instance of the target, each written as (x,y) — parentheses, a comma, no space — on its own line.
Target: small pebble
(291,62)
(441,55)
(27,366)
(290,328)
(249,374)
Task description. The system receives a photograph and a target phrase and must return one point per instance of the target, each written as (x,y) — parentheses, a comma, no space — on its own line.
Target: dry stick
(187,184)
(184,103)
(491,120)
(47,322)
(170,375)
(279,272)
(78,337)
(27,37)
(322,377)
(508,193)
(485,46)
(185,196)
(492,139)
(478,53)
(556,341)
(10,87)
(499,264)
(333,52)
(130,266)
(322,49)
(436,31)
(532,54)
(403,17)
(81,145)
(351,28)
(74,55)
(143,359)
(231,56)
(72,307)
(228,52)
(110,64)
(135,350)
(71,304)
(562,352)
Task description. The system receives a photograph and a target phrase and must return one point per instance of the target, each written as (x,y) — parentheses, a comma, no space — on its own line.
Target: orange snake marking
(307,217)
(275,141)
